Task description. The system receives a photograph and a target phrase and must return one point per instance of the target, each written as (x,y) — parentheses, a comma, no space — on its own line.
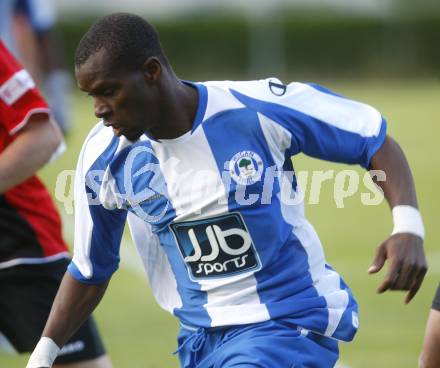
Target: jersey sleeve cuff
(22,123)
(376,143)
(78,276)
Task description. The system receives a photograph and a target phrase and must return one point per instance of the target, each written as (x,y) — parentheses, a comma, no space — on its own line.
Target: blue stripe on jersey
(193,299)
(144,173)
(108,225)
(241,130)
(137,171)
(317,138)
(202,103)
(284,285)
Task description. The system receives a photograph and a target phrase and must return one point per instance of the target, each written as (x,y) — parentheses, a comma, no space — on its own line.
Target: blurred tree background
(289,39)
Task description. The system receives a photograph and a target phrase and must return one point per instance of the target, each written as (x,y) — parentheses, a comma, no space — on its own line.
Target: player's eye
(108,92)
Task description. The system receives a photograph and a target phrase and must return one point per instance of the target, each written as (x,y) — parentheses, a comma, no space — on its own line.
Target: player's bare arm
(404,251)
(32,148)
(73,304)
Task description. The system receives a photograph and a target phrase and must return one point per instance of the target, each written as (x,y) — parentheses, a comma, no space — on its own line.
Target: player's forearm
(404,248)
(31,149)
(399,186)
(73,304)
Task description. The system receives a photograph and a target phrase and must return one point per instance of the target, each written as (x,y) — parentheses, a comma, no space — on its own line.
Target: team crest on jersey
(216,247)
(246,167)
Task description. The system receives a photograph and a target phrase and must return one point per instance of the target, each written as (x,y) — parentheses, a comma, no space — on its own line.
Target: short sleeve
(19,98)
(322,124)
(98,229)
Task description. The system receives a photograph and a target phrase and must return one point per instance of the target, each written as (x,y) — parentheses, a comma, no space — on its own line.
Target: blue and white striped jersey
(211,213)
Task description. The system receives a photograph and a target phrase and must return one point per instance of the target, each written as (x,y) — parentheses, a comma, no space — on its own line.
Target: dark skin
(404,252)
(152,100)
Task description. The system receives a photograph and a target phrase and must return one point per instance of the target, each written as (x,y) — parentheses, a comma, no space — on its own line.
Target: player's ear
(152,69)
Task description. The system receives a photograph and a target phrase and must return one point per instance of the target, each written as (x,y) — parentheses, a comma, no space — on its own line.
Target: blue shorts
(271,344)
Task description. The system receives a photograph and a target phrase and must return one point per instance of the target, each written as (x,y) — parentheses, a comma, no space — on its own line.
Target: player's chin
(130,135)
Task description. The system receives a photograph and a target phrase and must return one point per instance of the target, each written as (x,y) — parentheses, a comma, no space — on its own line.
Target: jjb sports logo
(216,247)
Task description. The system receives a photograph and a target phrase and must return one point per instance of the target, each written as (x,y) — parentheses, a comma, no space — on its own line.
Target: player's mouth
(116,128)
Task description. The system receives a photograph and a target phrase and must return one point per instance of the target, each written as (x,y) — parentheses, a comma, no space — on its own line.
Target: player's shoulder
(269,89)
(99,141)
(273,89)
(227,95)
(309,98)
(258,87)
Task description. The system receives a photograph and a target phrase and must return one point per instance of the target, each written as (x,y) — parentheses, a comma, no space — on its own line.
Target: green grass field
(138,334)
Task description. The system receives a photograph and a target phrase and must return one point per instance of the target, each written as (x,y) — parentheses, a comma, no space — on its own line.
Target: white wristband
(407,219)
(44,354)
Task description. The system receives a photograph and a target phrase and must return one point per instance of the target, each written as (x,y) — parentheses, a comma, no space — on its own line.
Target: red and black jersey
(30,226)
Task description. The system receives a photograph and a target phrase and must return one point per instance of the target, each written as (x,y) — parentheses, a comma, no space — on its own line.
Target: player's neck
(178,111)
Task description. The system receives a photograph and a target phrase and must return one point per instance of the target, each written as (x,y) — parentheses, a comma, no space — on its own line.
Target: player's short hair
(128,39)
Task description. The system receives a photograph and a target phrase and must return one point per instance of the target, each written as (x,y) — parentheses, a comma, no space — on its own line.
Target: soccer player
(33,255)
(202,173)
(27,27)
(430,357)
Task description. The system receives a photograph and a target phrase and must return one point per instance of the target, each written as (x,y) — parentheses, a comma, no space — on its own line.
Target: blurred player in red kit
(33,255)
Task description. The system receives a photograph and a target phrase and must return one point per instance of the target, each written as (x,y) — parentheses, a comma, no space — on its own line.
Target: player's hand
(407,264)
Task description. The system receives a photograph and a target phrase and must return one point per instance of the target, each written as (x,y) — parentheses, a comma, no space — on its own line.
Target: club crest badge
(246,167)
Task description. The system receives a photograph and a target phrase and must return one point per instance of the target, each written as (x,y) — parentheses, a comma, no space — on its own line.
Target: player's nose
(102,110)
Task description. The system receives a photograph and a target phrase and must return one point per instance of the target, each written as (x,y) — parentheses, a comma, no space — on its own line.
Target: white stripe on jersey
(188,175)
(95,144)
(155,261)
(338,111)
(195,186)
(277,138)
(217,99)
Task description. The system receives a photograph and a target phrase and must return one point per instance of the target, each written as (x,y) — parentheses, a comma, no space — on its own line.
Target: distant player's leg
(28,292)
(430,356)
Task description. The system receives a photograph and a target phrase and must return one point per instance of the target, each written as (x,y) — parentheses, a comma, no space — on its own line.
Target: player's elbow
(46,136)
(53,136)
(55,141)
